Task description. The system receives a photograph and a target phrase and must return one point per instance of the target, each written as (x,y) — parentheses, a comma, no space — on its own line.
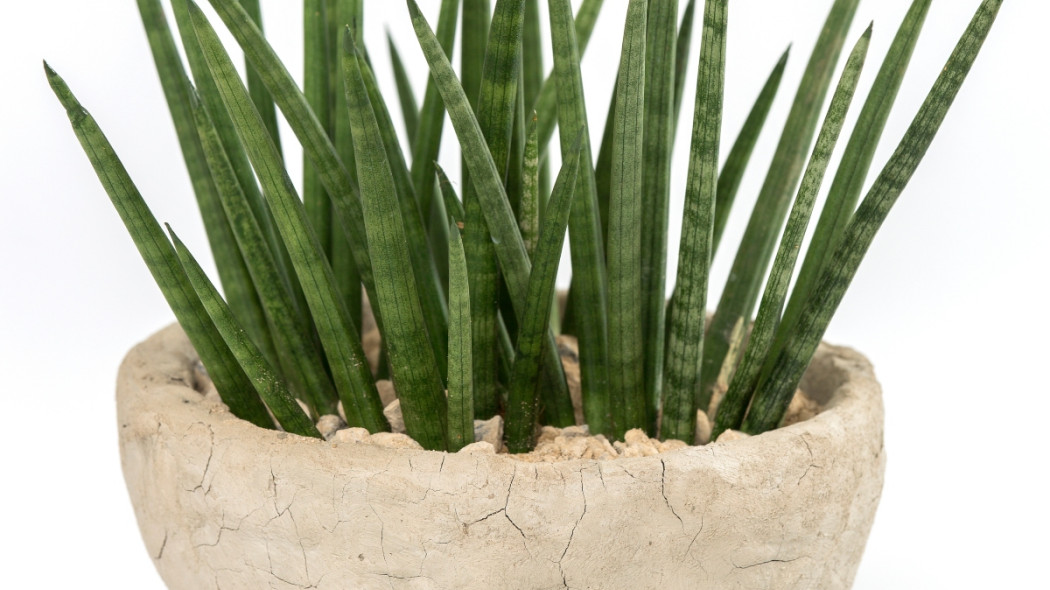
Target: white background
(950,303)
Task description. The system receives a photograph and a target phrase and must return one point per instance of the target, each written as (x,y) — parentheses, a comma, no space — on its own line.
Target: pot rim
(839,378)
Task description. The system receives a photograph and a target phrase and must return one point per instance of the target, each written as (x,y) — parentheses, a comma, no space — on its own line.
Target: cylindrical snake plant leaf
(235,388)
(689,312)
(784,370)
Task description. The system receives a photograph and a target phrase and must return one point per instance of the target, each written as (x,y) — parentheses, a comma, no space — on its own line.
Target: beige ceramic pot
(223,504)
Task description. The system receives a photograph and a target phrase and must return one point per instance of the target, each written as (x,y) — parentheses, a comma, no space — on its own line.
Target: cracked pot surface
(224,504)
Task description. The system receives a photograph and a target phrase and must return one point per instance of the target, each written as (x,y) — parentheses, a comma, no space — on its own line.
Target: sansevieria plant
(461,278)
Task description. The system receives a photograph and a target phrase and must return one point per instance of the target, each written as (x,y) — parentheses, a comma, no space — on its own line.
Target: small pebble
(490,431)
(393,440)
(703,428)
(329,424)
(350,435)
(394,417)
(731,435)
(479,448)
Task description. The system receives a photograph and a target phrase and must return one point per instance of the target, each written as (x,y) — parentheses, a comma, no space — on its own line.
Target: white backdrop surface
(950,303)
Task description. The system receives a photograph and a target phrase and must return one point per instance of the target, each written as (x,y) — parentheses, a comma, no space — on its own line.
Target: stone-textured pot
(223,504)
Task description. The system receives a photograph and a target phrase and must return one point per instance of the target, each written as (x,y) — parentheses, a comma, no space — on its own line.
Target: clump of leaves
(462,289)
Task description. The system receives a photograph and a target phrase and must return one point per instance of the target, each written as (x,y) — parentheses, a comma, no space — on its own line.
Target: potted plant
(239,472)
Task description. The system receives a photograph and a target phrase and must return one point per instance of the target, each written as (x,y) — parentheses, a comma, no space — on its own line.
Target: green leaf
(234,387)
(659,131)
(740,154)
(460,357)
(455,214)
(533,75)
(856,161)
(522,405)
(510,249)
(783,371)
(626,372)
(343,13)
(231,144)
(681,60)
(428,138)
(316,90)
(453,205)
(589,286)
(177,90)
(603,170)
(260,94)
(432,296)
(546,105)
(756,248)
(497,97)
(299,356)
(476,15)
(409,110)
(313,137)
(412,364)
(734,404)
(271,387)
(529,209)
(339,336)
(686,330)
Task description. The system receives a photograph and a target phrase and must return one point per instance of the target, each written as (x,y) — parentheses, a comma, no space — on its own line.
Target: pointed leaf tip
(349,43)
(194,9)
(413,9)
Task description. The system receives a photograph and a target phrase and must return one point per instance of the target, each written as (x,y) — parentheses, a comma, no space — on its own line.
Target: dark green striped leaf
(522,405)
(856,161)
(589,284)
(546,105)
(231,144)
(435,308)
(341,14)
(626,369)
(784,370)
(533,75)
(659,120)
(756,248)
(405,94)
(740,154)
(271,387)
(427,145)
(413,367)
(510,249)
(299,357)
(177,90)
(233,385)
(529,209)
(686,330)
(734,404)
(316,90)
(460,364)
(681,60)
(260,94)
(497,86)
(339,336)
(313,137)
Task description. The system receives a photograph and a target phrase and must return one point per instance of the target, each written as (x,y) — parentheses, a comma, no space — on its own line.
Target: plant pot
(224,504)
